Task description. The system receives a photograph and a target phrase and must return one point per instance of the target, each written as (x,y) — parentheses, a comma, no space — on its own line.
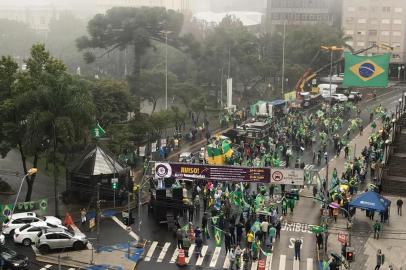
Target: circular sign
(128,229)
(277,176)
(163,170)
(366,70)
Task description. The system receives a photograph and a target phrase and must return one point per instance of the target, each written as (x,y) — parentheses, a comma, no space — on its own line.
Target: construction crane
(309,74)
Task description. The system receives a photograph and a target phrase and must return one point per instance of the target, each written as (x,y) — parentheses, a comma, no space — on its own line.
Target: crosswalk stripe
(268,263)
(203,253)
(48,266)
(282,262)
(309,263)
(241,260)
(163,252)
(175,254)
(295,264)
(215,257)
(151,251)
(254,265)
(226,264)
(190,253)
(71,269)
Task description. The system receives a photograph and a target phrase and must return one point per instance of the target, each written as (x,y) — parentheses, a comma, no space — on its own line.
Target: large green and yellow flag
(366,71)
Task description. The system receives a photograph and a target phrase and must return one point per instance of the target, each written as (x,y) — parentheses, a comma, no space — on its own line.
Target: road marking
(254,265)
(163,252)
(203,253)
(309,263)
(122,225)
(215,257)
(71,269)
(190,253)
(151,251)
(174,256)
(226,264)
(46,267)
(268,263)
(295,264)
(241,260)
(282,262)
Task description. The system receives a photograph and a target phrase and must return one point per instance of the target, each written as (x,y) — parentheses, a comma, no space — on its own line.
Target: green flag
(217,236)
(366,71)
(98,131)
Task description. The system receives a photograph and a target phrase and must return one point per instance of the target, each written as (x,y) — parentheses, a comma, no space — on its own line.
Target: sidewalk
(393,234)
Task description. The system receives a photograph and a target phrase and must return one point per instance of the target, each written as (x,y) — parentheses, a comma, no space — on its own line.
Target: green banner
(366,71)
(217,236)
(39,207)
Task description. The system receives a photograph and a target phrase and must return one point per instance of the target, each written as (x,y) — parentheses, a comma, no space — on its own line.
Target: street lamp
(29,173)
(283,56)
(166,67)
(331,49)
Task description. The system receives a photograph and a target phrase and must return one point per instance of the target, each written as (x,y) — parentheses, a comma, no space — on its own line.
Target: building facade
(37,14)
(370,22)
(184,6)
(303,12)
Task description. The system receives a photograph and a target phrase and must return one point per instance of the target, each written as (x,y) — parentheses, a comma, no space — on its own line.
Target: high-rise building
(303,12)
(184,6)
(370,22)
(37,14)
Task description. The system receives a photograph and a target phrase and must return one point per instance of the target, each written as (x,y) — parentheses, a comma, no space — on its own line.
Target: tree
(112,100)
(43,107)
(123,27)
(152,85)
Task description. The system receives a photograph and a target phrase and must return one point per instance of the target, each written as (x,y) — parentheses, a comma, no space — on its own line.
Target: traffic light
(114,185)
(350,256)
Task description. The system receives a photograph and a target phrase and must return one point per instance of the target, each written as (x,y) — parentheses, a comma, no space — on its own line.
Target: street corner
(130,251)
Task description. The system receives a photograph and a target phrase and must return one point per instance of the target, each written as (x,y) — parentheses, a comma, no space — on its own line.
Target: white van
(325,89)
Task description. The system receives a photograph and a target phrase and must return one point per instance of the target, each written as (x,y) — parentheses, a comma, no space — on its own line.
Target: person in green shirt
(284,207)
(377,229)
(272,234)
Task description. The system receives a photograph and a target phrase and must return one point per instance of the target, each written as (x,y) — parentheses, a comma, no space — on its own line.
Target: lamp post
(166,67)
(29,173)
(283,56)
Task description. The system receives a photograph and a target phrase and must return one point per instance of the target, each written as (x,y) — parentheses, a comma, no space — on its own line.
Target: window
(371,43)
(386,9)
(362,20)
(385,21)
(372,33)
(63,236)
(396,44)
(351,9)
(373,21)
(34,229)
(360,43)
(52,236)
(398,21)
(350,20)
(398,10)
(18,221)
(385,33)
(396,33)
(349,32)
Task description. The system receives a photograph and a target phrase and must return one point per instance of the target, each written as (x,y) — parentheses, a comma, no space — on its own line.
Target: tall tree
(123,27)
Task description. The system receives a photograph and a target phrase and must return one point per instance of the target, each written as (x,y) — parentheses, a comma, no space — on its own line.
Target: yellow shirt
(250,237)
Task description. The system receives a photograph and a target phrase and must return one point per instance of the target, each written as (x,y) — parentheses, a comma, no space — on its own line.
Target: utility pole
(229,63)
(221,88)
(166,70)
(283,56)
(98,218)
(54,171)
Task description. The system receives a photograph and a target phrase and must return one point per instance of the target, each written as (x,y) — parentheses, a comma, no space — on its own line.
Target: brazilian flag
(217,236)
(366,71)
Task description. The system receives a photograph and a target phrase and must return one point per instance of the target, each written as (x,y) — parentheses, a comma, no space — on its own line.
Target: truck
(324,89)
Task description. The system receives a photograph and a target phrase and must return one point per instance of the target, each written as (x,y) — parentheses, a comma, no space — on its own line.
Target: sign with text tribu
(211,172)
(287,176)
(366,71)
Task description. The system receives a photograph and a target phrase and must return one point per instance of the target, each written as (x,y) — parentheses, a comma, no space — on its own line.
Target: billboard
(211,172)
(287,176)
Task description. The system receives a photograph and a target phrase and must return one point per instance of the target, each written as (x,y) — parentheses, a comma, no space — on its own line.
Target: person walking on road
(298,245)
(179,237)
(227,241)
(380,259)
(186,245)
(239,228)
(377,229)
(231,258)
(272,235)
(83,217)
(278,228)
(399,204)
(319,241)
(264,228)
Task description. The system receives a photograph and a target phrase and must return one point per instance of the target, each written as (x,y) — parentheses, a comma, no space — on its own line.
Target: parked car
(12,260)
(55,238)
(186,157)
(18,220)
(340,97)
(355,96)
(28,233)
